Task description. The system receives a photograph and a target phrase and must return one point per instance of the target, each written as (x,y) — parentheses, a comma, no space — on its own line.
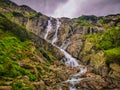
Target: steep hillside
(25,53)
(22,65)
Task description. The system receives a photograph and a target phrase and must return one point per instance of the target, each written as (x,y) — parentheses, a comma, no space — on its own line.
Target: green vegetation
(87,20)
(110,39)
(109,42)
(113,55)
(17,14)
(17,30)
(85,23)
(19,85)
(19,57)
(12,50)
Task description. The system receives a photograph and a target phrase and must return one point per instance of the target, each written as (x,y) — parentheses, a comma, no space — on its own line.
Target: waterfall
(49,27)
(69,60)
(65,43)
(56,31)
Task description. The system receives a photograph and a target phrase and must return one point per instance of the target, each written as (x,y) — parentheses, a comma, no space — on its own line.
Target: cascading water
(65,43)
(69,59)
(56,32)
(49,27)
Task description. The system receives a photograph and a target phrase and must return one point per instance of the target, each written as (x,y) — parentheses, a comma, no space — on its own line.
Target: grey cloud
(99,7)
(80,7)
(44,6)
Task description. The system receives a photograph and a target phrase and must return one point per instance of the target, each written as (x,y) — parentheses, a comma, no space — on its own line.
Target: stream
(69,60)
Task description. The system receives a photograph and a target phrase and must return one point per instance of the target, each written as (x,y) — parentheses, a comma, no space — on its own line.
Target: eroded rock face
(95,82)
(41,43)
(115,75)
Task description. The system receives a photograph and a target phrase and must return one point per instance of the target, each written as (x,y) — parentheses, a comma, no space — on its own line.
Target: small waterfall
(56,31)
(49,27)
(69,60)
(65,43)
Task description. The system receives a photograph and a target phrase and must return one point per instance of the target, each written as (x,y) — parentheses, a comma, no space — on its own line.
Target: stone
(5,87)
(39,85)
(95,82)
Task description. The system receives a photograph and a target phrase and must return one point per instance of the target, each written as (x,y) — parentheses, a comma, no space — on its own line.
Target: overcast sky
(73,8)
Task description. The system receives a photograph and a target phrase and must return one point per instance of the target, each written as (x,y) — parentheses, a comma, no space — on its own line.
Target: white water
(49,27)
(65,44)
(70,61)
(56,31)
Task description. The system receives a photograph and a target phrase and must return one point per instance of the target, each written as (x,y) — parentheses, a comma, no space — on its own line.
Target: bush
(113,55)
(110,39)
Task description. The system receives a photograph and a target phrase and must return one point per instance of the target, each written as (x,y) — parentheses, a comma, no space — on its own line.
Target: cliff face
(94,41)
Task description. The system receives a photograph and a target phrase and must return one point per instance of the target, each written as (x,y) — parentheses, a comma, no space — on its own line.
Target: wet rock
(74,48)
(39,85)
(64,86)
(115,67)
(88,46)
(98,61)
(5,87)
(63,34)
(115,75)
(95,82)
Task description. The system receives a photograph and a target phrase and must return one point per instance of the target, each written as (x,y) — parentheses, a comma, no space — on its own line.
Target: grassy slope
(18,56)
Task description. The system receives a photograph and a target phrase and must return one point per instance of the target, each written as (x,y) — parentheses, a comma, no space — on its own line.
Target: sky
(73,8)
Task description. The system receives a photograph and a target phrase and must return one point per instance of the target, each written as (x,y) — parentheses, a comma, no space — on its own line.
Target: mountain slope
(94,41)
(22,65)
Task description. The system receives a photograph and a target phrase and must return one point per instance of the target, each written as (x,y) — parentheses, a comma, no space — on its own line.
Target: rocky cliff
(93,41)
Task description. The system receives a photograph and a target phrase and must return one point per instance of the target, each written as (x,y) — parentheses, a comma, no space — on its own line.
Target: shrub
(113,55)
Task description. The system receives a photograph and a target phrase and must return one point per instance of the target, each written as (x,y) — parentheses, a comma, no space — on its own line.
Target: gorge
(38,52)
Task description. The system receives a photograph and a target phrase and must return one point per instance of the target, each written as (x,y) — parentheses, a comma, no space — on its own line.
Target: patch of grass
(12,50)
(113,55)
(19,85)
(110,39)
(85,23)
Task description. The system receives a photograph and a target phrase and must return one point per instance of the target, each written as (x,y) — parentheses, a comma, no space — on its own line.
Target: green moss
(109,42)
(85,23)
(19,85)
(113,55)
(12,50)
(110,39)
(101,21)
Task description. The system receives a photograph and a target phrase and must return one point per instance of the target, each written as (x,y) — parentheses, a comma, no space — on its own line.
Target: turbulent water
(56,31)
(68,60)
(49,27)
